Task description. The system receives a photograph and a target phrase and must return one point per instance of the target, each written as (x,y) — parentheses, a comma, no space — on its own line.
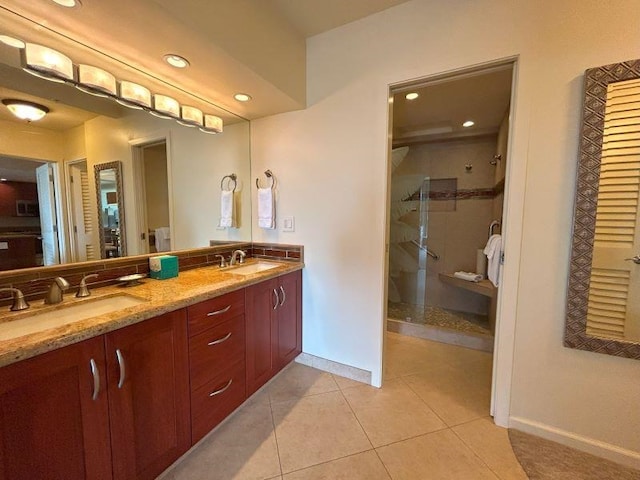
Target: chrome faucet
(54,295)
(19,303)
(83,290)
(223,262)
(234,260)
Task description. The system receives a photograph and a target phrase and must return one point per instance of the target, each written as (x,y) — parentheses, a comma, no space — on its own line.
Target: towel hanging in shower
(493,251)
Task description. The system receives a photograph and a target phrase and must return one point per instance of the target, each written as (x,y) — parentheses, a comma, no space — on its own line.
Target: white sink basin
(252,268)
(64,315)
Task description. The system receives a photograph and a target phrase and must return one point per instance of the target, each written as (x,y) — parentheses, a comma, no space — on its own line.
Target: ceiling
(442,106)
(311,17)
(252,46)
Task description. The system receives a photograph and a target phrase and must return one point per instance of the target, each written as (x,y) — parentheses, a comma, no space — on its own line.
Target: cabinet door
(50,424)
(261,333)
(289,319)
(149,405)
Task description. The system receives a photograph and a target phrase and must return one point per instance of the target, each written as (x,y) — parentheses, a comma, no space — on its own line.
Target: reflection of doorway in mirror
(29,220)
(614,308)
(153,180)
(80,210)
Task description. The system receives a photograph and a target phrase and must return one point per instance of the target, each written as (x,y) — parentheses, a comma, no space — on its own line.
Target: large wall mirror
(55,206)
(603,309)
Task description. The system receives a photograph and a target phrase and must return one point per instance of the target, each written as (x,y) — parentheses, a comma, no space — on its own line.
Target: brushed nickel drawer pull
(275,305)
(222,390)
(96,379)
(284,296)
(218,312)
(123,368)
(220,340)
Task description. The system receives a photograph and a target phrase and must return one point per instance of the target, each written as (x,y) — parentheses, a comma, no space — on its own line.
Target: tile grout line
(275,435)
(365,434)
(424,401)
(474,452)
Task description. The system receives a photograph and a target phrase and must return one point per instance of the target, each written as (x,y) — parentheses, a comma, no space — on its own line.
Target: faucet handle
(83,289)
(19,303)
(223,262)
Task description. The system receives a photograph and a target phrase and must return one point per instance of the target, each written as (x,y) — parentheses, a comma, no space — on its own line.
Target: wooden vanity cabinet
(138,424)
(148,386)
(217,360)
(50,424)
(274,327)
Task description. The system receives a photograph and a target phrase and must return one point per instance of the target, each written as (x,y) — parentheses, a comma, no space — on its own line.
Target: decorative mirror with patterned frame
(603,304)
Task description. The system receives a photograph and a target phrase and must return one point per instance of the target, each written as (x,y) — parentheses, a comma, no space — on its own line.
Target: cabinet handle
(284,296)
(275,305)
(96,379)
(123,369)
(222,390)
(218,312)
(220,340)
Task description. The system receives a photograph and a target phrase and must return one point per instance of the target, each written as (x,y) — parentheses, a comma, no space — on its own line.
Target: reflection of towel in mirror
(493,251)
(163,239)
(266,208)
(227,207)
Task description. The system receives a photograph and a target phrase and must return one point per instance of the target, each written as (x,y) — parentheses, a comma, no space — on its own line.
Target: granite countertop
(161,296)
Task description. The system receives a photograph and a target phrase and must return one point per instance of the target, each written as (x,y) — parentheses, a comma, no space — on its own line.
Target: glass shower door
(408,247)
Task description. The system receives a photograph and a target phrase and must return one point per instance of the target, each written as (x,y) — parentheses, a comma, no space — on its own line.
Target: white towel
(468,276)
(266,208)
(493,251)
(227,209)
(163,239)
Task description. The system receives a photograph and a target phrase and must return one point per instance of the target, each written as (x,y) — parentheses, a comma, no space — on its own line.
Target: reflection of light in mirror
(11,41)
(96,81)
(191,117)
(47,63)
(167,105)
(133,95)
(212,124)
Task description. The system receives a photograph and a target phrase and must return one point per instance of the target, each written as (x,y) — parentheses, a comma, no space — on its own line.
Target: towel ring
(270,175)
(232,178)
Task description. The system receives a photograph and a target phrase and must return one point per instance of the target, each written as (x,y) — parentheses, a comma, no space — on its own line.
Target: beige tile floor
(430,420)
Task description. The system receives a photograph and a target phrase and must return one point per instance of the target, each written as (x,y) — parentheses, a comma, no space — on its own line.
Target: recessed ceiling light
(29,111)
(12,42)
(468,123)
(68,3)
(242,97)
(176,60)
(3,179)
(411,96)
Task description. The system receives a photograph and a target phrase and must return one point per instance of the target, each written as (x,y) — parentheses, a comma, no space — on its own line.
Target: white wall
(330,160)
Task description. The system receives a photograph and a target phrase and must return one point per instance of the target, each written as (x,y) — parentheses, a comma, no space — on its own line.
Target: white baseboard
(330,366)
(611,452)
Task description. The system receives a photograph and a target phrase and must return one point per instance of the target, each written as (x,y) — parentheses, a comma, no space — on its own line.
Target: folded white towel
(468,276)
(493,251)
(227,209)
(163,239)
(266,208)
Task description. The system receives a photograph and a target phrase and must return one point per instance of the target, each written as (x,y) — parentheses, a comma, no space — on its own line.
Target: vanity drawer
(209,313)
(216,350)
(214,401)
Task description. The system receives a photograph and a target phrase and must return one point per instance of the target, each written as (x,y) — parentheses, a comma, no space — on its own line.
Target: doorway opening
(151,172)
(449,154)
(30,216)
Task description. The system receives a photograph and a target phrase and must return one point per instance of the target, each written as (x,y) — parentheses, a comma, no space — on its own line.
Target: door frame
(504,340)
(137,145)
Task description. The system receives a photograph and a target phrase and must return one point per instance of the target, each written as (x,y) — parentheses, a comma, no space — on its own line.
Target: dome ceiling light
(24,110)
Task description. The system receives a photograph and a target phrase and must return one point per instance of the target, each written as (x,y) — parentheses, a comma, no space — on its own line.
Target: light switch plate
(4,245)
(288,224)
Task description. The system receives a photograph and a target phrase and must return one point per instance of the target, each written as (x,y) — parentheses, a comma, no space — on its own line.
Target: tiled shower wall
(34,282)
(455,234)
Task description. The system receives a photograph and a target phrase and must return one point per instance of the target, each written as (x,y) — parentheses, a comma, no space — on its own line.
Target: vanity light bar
(52,65)
(96,81)
(47,63)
